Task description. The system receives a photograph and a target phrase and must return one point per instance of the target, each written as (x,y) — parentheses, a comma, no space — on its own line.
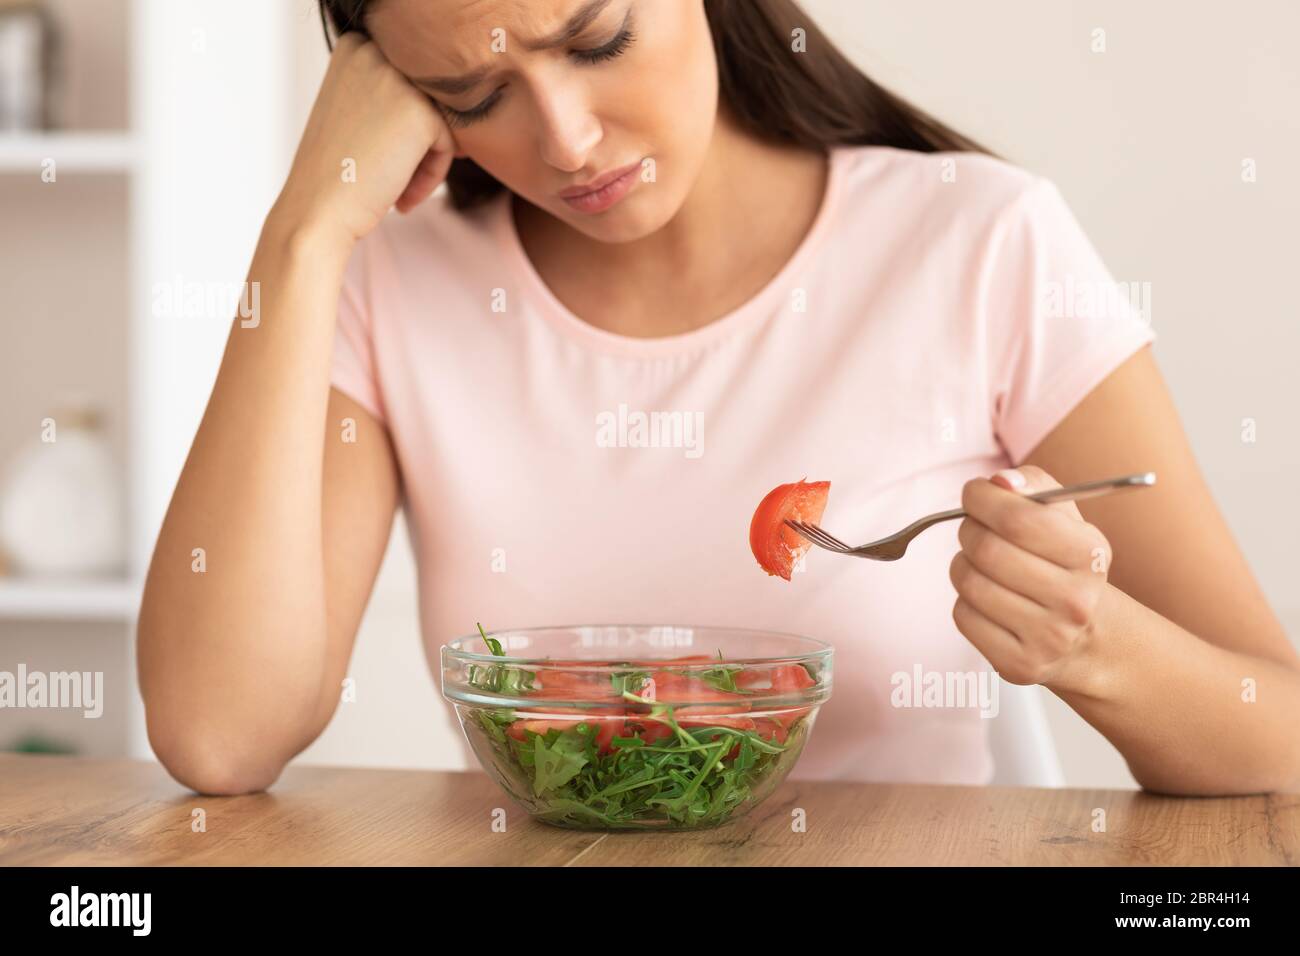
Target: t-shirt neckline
(761,304)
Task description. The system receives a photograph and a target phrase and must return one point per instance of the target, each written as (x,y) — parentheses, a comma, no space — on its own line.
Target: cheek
(678,76)
(670,99)
(491,145)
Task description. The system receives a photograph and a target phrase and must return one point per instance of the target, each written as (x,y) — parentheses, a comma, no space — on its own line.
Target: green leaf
(499,678)
(720,678)
(556,764)
(624,682)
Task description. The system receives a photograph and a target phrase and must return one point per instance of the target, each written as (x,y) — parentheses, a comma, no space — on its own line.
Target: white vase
(61,501)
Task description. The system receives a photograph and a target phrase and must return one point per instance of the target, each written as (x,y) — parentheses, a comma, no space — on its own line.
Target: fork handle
(1095,489)
(1087,489)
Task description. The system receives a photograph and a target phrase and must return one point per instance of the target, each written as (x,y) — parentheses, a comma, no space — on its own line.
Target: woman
(692,213)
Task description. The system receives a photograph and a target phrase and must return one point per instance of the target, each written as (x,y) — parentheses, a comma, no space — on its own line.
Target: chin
(636,217)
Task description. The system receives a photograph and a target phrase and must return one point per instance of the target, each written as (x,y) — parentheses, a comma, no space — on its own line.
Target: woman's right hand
(372,141)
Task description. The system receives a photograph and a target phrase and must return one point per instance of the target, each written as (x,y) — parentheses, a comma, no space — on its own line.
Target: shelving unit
(56,600)
(94,152)
(180,141)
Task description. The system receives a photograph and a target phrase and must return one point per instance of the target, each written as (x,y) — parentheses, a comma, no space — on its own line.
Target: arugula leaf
(720,678)
(556,764)
(494,722)
(686,780)
(624,682)
(499,678)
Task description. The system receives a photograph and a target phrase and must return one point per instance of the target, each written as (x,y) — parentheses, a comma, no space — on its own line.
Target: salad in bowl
(624,727)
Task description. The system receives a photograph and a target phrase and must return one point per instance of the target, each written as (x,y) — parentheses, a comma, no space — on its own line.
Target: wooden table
(78,811)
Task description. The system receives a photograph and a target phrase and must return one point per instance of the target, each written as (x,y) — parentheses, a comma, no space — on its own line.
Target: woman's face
(618,84)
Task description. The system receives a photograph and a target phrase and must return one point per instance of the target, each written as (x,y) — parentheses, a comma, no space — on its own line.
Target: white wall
(1146,140)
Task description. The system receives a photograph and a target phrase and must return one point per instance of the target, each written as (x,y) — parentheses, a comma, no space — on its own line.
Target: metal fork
(895,546)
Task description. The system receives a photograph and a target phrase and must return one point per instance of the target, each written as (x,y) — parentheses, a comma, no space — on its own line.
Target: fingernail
(1014,478)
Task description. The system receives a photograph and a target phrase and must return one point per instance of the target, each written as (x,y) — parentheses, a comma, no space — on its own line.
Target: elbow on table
(1160,785)
(213,770)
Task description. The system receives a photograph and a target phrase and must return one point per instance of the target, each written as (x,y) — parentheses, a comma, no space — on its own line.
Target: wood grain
(58,810)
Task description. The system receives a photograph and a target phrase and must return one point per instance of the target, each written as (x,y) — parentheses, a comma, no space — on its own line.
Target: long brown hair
(818,99)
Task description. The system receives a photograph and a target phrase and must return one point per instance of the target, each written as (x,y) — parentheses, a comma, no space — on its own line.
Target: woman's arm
(1189,716)
(242,645)
(235,645)
(1166,644)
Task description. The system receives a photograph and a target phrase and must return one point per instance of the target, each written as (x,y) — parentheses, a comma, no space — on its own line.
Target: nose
(570,129)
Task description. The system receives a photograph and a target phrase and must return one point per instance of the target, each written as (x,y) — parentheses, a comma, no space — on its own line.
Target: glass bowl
(637,727)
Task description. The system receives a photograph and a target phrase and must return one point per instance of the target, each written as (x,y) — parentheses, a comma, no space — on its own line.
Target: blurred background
(143,141)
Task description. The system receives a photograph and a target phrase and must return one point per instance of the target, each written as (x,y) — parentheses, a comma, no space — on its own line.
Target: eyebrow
(579,22)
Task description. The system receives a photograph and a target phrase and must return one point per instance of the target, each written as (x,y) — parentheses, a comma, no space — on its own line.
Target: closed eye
(614,48)
(461,118)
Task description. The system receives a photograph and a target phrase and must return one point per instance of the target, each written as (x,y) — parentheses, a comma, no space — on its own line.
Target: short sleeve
(353,370)
(1058,322)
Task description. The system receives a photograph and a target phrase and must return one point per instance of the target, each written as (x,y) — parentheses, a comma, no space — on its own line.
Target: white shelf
(203,80)
(105,152)
(71,600)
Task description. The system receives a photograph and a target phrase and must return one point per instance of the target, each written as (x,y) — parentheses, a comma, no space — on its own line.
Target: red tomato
(648,729)
(780,724)
(570,685)
(607,728)
(768,728)
(673,688)
(784,678)
(777,547)
(680,690)
(792,677)
(574,690)
(574,685)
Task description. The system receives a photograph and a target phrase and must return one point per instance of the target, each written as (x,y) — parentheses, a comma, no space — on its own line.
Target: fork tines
(818,537)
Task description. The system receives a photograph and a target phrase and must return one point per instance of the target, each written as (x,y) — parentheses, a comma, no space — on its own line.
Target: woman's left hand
(1029,576)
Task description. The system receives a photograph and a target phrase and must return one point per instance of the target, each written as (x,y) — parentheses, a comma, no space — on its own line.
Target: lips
(598,183)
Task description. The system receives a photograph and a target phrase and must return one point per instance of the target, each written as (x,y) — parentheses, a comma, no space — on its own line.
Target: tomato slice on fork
(777,547)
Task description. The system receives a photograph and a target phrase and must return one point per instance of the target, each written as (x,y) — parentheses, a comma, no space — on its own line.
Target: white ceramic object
(61,501)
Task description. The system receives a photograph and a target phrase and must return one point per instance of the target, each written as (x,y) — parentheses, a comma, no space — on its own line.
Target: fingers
(992,640)
(427,177)
(442,165)
(444,141)
(1050,531)
(1011,566)
(1033,480)
(1015,612)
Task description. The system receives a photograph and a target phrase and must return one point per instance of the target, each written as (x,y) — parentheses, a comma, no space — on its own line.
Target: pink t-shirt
(943,314)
